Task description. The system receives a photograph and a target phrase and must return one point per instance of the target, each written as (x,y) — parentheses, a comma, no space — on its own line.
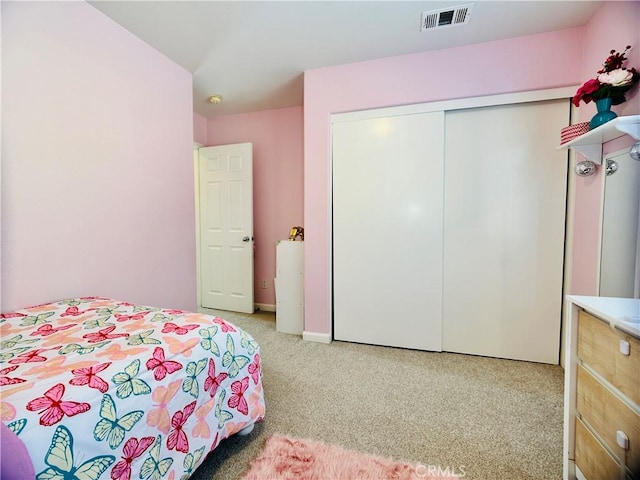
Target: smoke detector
(446,17)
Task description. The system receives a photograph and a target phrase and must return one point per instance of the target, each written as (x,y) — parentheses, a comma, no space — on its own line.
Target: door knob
(245,239)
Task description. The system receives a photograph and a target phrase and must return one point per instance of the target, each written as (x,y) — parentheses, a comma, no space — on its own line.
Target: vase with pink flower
(609,88)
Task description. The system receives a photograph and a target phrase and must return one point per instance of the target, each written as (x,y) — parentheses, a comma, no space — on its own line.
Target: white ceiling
(254,53)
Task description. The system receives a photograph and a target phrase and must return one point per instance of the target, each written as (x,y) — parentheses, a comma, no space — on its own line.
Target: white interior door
(387,230)
(504,221)
(226,227)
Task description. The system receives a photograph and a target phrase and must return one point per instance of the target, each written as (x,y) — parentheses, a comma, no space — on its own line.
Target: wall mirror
(620,249)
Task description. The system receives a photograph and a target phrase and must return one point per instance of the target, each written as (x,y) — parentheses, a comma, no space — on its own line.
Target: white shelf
(590,144)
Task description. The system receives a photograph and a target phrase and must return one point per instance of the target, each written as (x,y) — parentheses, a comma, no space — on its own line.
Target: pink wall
(199,129)
(97,160)
(520,64)
(614,26)
(277,178)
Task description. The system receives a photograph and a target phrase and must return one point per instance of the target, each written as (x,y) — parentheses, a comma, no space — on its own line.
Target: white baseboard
(265,307)
(316,337)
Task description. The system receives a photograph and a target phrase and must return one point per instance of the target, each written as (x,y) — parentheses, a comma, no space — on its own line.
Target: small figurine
(296,232)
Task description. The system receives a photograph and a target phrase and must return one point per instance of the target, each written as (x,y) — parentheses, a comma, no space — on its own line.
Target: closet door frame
(447,105)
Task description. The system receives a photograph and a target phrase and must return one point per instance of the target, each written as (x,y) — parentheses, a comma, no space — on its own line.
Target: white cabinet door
(504,225)
(387,230)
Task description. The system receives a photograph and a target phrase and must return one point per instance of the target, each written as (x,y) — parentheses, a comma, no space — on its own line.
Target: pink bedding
(97,388)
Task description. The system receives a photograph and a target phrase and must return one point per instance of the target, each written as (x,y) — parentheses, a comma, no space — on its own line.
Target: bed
(99,388)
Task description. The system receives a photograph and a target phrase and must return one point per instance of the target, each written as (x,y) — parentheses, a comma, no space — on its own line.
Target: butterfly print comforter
(97,388)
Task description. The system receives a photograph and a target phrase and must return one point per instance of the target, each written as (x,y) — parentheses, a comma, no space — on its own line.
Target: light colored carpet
(491,418)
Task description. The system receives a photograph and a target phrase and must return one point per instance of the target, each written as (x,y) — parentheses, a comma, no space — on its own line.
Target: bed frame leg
(247,430)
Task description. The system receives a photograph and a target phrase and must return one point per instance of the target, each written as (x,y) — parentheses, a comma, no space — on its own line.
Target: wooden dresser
(602,389)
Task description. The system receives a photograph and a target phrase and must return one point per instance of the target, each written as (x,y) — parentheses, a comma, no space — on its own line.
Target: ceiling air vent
(446,17)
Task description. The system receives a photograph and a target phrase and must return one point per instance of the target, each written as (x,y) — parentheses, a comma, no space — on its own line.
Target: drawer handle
(622,440)
(625,348)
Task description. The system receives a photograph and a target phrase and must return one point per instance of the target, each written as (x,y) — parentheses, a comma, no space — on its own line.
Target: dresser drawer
(592,459)
(599,347)
(607,414)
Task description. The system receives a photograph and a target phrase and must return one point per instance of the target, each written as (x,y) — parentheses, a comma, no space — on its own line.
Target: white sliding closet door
(387,230)
(504,220)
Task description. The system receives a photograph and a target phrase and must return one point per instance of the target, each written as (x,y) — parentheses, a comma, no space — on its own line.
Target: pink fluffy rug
(286,458)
